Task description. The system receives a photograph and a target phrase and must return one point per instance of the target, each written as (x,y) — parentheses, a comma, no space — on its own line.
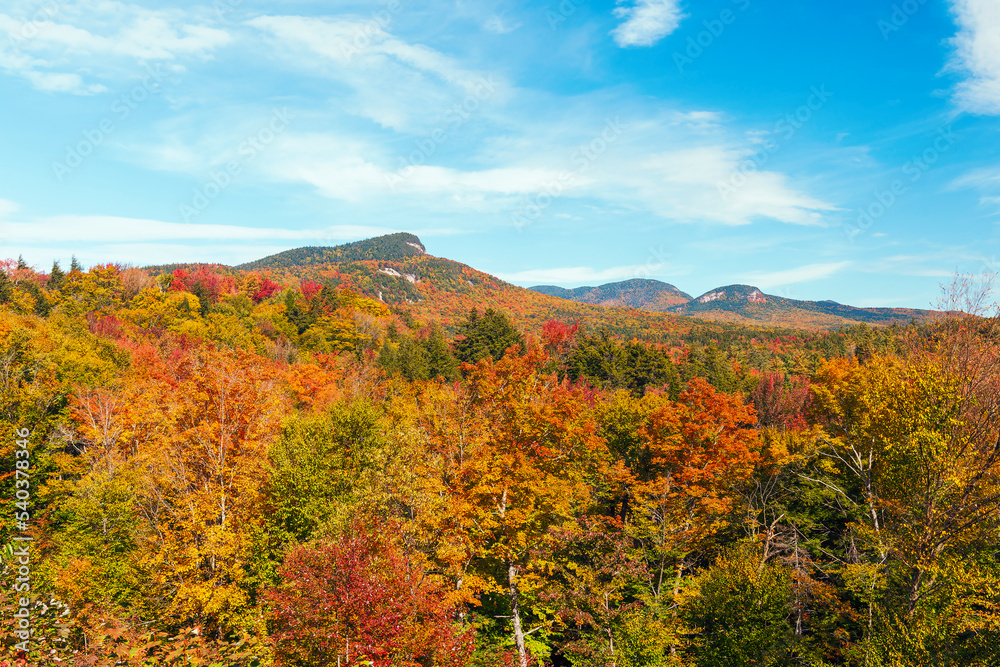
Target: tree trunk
(515,615)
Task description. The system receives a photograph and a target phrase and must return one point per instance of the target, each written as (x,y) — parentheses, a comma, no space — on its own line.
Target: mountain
(745,304)
(738,304)
(636,293)
(391,248)
(397,270)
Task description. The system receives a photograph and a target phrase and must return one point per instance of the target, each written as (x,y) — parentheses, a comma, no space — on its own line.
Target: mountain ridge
(644,293)
(388,247)
(396,269)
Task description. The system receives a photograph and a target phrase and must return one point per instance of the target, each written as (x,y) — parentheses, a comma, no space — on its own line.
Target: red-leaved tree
(360,598)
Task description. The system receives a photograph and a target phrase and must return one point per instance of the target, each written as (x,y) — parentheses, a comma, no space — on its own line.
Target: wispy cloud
(572,275)
(397,84)
(799,274)
(64,46)
(499,26)
(939,263)
(683,185)
(99,238)
(977,54)
(103,229)
(646,21)
(669,162)
(111,229)
(679,184)
(986,180)
(978,178)
(7,208)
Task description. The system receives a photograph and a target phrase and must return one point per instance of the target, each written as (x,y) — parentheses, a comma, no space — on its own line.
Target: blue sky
(842,151)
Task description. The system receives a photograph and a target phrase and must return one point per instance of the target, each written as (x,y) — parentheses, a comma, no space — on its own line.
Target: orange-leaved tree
(699,449)
(533,467)
(203,486)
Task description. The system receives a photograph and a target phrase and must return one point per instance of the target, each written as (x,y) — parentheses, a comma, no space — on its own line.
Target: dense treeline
(392,247)
(230,469)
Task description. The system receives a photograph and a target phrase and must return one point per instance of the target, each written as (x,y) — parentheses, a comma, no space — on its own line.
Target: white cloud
(985,180)
(799,274)
(940,263)
(991,201)
(56,47)
(96,239)
(498,26)
(111,229)
(889,302)
(646,21)
(106,229)
(504,154)
(7,207)
(695,185)
(573,275)
(400,86)
(977,54)
(351,170)
(145,254)
(681,184)
(978,178)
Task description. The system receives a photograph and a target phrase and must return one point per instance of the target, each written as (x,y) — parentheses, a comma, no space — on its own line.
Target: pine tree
(56,277)
(489,335)
(440,360)
(6,287)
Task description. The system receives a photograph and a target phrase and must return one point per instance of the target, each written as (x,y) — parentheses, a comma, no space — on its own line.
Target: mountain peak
(747,293)
(389,248)
(643,293)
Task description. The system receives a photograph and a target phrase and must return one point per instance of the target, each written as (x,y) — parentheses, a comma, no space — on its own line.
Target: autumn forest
(369,456)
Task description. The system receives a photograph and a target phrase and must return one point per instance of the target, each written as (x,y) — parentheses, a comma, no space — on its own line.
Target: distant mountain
(397,270)
(389,248)
(641,293)
(737,304)
(746,304)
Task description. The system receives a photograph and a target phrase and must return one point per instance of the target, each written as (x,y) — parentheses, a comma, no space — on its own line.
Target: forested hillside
(738,304)
(391,247)
(747,304)
(271,466)
(636,293)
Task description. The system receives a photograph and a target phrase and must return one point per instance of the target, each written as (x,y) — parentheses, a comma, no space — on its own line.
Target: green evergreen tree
(489,335)
(649,367)
(56,277)
(600,360)
(412,359)
(296,313)
(42,306)
(418,358)
(6,287)
(711,364)
(604,362)
(74,265)
(440,360)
